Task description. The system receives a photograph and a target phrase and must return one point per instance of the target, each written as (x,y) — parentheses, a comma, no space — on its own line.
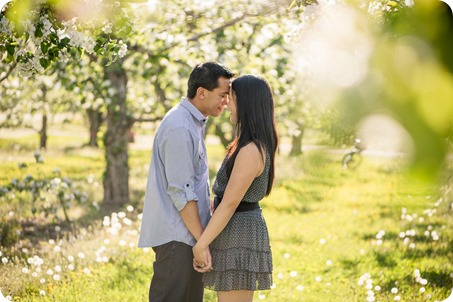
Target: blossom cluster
(57,258)
(367,281)
(76,37)
(46,194)
(42,39)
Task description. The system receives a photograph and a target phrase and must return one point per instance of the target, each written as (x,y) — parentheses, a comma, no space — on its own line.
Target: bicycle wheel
(345,160)
(352,161)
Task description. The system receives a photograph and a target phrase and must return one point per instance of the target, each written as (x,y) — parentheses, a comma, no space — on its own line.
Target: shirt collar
(193,110)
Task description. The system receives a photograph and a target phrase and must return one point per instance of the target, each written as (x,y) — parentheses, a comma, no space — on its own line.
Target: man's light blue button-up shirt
(178,173)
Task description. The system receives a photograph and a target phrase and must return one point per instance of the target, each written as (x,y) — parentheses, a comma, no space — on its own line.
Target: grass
(331,230)
(346,210)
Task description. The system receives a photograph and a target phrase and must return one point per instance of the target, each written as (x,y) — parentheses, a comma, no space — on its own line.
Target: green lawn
(333,234)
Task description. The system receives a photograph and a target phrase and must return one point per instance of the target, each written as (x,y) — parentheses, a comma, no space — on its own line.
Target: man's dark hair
(206,75)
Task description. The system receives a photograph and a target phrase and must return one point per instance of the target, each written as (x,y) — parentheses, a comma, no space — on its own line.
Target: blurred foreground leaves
(410,79)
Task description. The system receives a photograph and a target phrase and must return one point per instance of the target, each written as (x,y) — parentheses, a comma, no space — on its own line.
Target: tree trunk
(296,142)
(116,175)
(221,134)
(43,133)
(95,121)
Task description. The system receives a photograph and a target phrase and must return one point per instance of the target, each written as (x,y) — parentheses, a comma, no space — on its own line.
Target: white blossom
(123,50)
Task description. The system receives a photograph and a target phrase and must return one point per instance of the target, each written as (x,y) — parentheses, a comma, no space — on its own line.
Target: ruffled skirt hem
(241,255)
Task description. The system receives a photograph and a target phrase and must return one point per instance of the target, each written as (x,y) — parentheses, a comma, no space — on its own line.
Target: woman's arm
(248,165)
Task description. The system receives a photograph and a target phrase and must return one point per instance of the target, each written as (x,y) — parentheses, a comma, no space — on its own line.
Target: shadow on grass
(303,193)
(430,251)
(294,239)
(350,266)
(388,236)
(385,259)
(127,269)
(439,279)
(25,144)
(299,208)
(137,198)
(31,232)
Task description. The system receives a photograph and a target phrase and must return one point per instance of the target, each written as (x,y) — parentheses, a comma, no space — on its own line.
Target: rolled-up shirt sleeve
(177,154)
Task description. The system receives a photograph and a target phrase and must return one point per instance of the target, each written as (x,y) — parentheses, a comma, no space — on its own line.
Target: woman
(237,233)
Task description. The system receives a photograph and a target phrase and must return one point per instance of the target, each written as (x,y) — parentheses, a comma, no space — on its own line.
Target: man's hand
(211,206)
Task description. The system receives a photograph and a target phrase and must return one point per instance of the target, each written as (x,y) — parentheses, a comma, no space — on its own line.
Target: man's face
(216,100)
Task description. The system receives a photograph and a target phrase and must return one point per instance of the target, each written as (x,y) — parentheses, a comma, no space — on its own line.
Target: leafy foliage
(44,196)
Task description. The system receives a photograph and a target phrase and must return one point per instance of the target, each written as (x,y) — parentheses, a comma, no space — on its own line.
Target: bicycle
(353,158)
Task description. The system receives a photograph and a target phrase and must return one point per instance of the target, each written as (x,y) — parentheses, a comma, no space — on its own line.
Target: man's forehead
(224,80)
(224,83)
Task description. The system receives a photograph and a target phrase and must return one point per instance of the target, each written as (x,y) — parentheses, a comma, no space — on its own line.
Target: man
(176,208)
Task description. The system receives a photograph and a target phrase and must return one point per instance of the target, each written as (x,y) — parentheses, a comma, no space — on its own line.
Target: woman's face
(232,107)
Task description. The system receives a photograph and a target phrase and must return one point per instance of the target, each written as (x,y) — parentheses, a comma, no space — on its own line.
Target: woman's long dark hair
(255,121)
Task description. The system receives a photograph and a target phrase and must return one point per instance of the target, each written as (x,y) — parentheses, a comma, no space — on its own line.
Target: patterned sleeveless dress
(241,254)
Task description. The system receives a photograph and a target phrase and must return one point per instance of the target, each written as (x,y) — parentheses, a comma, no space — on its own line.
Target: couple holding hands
(222,244)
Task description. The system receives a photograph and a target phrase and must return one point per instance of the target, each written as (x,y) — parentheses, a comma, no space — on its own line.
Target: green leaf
(44,63)
(10,49)
(54,50)
(54,38)
(294,3)
(64,42)
(38,32)
(9,58)
(101,40)
(44,46)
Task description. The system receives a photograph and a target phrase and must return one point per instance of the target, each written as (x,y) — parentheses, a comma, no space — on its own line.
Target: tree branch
(161,93)
(96,87)
(147,120)
(11,68)
(217,29)
(143,50)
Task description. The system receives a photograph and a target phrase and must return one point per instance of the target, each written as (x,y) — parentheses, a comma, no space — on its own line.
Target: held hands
(211,206)
(202,261)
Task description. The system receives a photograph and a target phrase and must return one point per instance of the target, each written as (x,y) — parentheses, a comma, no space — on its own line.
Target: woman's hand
(211,206)
(202,261)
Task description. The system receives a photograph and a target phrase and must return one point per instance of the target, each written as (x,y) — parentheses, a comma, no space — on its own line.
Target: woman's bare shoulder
(251,155)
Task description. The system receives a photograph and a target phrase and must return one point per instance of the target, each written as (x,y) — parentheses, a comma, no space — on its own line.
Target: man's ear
(201,93)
